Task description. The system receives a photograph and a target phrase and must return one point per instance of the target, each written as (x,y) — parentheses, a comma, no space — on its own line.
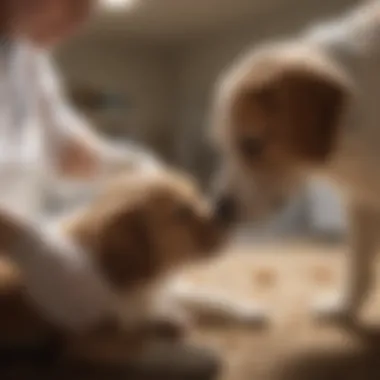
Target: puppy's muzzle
(225,210)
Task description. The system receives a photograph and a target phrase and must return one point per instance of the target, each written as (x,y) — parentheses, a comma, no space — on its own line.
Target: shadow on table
(362,363)
(186,363)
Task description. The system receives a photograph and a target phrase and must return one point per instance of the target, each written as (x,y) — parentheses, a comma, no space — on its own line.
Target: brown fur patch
(126,255)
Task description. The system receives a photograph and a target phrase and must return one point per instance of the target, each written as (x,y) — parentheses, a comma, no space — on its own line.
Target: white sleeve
(64,122)
(63,284)
(61,120)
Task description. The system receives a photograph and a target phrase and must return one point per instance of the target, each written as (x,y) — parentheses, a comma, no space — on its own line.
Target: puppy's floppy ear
(125,250)
(118,240)
(307,108)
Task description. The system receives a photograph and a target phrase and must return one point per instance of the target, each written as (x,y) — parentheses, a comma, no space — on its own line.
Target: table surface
(286,276)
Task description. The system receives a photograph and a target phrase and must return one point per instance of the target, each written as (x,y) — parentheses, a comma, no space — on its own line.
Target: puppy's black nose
(225,209)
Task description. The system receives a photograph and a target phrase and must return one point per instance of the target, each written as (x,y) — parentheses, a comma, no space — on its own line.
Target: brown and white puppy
(136,233)
(301,107)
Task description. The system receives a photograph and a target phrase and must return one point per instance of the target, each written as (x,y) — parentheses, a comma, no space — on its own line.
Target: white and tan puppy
(133,235)
(308,106)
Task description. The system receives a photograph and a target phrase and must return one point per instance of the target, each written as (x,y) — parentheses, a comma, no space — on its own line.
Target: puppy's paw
(334,309)
(172,325)
(255,316)
(243,315)
(167,329)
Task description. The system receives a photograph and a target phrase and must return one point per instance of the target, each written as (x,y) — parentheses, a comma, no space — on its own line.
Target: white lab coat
(35,122)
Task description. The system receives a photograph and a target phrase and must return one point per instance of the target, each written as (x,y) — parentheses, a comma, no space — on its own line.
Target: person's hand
(78,160)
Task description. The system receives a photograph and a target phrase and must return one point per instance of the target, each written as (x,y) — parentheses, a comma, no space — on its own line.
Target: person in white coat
(42,138)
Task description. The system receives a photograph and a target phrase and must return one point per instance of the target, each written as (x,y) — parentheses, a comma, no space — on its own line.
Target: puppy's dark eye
(279,203)
(183,214)
(252,147)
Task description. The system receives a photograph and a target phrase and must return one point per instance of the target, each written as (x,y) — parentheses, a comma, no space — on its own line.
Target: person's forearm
(58,277)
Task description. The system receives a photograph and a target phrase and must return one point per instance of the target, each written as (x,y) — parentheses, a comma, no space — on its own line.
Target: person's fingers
(78,160)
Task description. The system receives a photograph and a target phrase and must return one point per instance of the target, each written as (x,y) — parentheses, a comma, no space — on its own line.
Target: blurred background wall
(154,64)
